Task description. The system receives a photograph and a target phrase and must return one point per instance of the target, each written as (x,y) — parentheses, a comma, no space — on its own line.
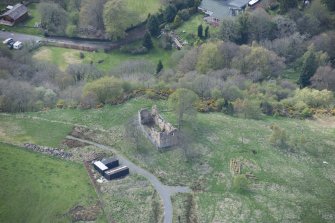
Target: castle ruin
(161,133)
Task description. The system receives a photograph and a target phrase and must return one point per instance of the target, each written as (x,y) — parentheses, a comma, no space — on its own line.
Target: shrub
(278,137)
(240,183)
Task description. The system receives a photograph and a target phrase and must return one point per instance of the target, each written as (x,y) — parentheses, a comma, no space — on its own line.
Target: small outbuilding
(116,172)
(18,13)
(100,167)
(110,162)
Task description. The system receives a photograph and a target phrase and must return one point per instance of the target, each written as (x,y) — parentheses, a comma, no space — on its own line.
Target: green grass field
(289,187)
(18,130)
(189,29)
(63,57)
(144,7)
(37,188)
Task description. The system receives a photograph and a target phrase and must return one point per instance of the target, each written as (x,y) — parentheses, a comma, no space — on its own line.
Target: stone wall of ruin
(161,133)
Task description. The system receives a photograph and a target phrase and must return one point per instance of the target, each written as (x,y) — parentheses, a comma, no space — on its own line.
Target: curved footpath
(164,191)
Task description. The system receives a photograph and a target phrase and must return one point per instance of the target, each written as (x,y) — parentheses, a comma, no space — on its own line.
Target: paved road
(132,35)
(164,191)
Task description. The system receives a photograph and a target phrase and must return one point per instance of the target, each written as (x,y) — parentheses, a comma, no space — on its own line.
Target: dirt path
(165,192)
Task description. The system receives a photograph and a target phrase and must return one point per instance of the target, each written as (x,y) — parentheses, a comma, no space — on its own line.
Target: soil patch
(71,143)
(326,122)
(81,213)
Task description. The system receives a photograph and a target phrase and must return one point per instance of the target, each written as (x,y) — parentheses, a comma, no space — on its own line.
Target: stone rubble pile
(48,150)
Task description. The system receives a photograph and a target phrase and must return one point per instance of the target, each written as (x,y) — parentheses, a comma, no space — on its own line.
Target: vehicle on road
(6,41)
(10,45)
(17,45)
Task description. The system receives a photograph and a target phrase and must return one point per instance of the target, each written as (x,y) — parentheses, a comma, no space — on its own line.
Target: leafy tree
(159,67)
(117,18)
(53,18)
(243,28)
(259,59)
(16,96)
(247,108)
(286,5)
(182,102)
(91,14)
(308,69)
(169,13)
(207,32)
(106,89)
(209,58)
(260,26)
(177,21)
(200,31)
(324,78)
(314,98)
(71,30)
(229,30)
(330,4)
(80,72)
(153,25)
(147,41)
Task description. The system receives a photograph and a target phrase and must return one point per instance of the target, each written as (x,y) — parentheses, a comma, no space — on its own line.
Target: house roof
(16,12)
(239,3)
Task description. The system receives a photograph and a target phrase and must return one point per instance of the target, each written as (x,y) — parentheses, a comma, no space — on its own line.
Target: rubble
(60,153)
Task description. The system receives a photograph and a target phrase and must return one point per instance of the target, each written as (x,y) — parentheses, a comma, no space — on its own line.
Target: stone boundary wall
(48,151)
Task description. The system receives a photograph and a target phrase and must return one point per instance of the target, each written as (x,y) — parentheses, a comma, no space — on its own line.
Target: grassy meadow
(64,57)
(144,7)
(289,186)
(37,188)
(16,129)
(189,29)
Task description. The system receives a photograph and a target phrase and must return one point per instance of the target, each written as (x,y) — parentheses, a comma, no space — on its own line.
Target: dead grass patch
(43,54)
(71,57)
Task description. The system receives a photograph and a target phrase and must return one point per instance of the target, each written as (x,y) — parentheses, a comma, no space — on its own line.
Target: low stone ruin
(161,133)
(60,153)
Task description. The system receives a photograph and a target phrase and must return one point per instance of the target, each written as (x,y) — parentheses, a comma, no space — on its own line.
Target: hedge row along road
(133,35)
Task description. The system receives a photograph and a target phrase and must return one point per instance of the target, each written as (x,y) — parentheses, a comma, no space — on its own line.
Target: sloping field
(37,188)
(144,7)
(290,184)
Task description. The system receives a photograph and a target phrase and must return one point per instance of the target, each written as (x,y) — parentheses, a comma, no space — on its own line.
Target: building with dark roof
(18,13)
(115,173)
(110,162)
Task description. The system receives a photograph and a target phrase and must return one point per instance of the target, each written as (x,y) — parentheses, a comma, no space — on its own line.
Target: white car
(18,45)
(7,40)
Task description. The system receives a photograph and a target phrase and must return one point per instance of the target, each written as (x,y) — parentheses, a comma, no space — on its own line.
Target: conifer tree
(147,42)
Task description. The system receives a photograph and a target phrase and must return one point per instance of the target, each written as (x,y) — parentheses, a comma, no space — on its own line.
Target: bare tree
(324,78)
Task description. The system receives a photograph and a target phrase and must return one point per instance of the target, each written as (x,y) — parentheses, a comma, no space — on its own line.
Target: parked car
(10,45)
(18,45)
(6,41)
